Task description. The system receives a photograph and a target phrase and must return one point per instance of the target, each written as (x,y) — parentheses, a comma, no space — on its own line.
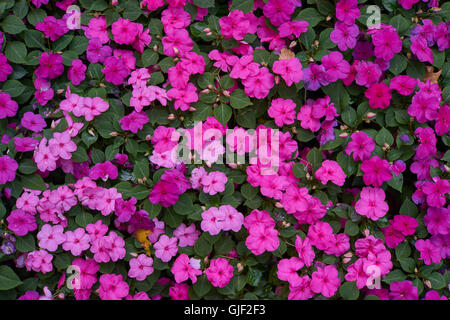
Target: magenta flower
(289,69)
(376,171)
(8,168)
(140,267)
(219,272)
(112,287)
(182,269)
(403,290)
(33,122)
(21,222)
(166,248)
(8,107)
(50,237)
(330,171)
(325,281)
(372,204)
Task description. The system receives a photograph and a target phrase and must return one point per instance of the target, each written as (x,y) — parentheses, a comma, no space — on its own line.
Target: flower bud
(171,117)
(206,30)
(133,254)
(366,232)
(292,44)
(240,267)
(278,205)
(181,118)
(192,109)
(155,48)
(148,137)
(277,79)
(59,91)
(343,135)
(225,93)
(370,115)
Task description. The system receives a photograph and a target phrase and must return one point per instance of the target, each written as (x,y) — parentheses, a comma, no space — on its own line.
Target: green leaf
(202,286)
(8,279)
(16,52)
(62,42)
(324,40)
(245,6)
(398,64)
(80,155)
(394,275)
(224,245)
(13,87)
(13,24)
(299,170)
(351,228)
(416,69)
(142,169)
(239,100)
(83,219)
(403,250)
(349,291)
(248,192)
(437,280)
(315,158)
(400,23)
(304,135)
(27,166)
(384,136)
(33,182)
(149,57)
(396,182)
(407,264)
(202,246)
(223,113)
(311,15)
(254,277)
(184,205)
(34,39)
(349,116)
(26,243)
(204,3)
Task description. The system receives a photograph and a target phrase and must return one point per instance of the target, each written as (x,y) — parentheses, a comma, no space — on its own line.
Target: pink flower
(419,47)
(112,287)
(179,291)
(21,222)
(166,248)
(361,146)
(50,65)
(8,168)
(372,204)
(442,125)
(125,209)
(424,107)
(304,250)
(287,270)
(177,43)
(5,68)
(435,192)
(61,145)
(292,28)
(165,193)
(39,261)
(219,272)
(402,290)
(437,220)
(347,11)
(97,29)
(278,11)
(134,122)
(25,144)
(301,290)
(325,281)
(428,251)
(105,170)
(124,31)
(52,28)
(50,237)
(115,70)
(289,69)
(307,121)
(376,171)
(259,84)
(387,43)
(262,239)
(214,182)
(336,67)
(405,224)
(8,107)
(140,267)
(379,96)
(295,199)
(213,219)
(183,97)
(33,122)
(187,236)
(323,107)
(330,171)
(77,72)
(283,111)
(76,241)
(233,219)
(403,84)
(427,146)
(344,35)
(367,73)
(88,272)
(182,269)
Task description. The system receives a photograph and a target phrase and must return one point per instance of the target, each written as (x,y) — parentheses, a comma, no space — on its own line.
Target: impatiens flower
(5,68)
(403,290)
(124,209)
(427,139)
(307,121)
(77,72)
(105,170)
(428,251)
(287,270)
(25,144)
(50,237)
(283,111)
(8,107)
(289,69)
(61,145)
(213,219)
(336,67)
(97,29)
(405,224)
(164,192)
(437,221)
(166,248)
(403,84)
(183,97)
(262,239)
(214,182)
(134,122)
(112,287)
(50,65)
(140,267)
(379,96)
(33,122)
(424,107)
(372,204)
(292,28)
(8,167)
(325,281)
(436,192)
(76,241)
(259,84)
(387,43)
(39,261)
(179,291)
(347,11)
(21,222)
(187,236)
(376,171)
(361,146)
(367,73)
(115,70)
(182,269)
(314,77)
(278,11)
(219,272)
(344,35)
(419,47)
(330,171)
(124,31)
